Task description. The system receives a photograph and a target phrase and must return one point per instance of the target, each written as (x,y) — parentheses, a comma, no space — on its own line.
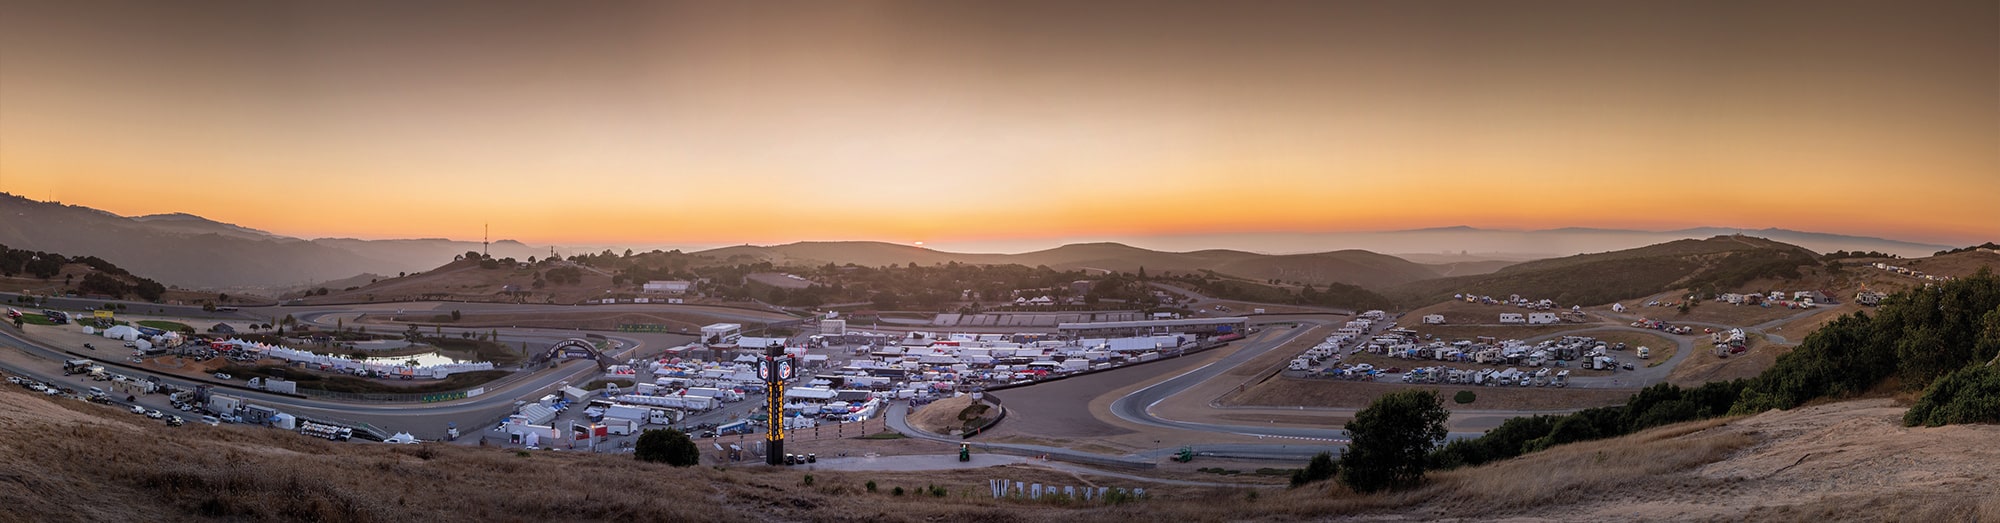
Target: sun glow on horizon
(700,123)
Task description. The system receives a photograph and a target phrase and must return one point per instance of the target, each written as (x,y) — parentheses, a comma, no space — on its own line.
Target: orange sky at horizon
(662,123)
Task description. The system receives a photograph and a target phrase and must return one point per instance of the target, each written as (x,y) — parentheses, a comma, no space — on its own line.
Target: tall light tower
(775,369)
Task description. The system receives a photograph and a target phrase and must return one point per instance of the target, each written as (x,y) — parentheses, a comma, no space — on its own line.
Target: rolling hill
(1351,267)
(1722,263)
(191,251)
(48,274)
(1515,245)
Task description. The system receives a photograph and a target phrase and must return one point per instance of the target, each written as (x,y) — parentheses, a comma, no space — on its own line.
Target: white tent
(122,332)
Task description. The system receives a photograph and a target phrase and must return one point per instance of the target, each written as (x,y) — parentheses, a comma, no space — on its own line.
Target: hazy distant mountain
(1351,266)
(195,252)
(872,254)
(192,251)
(192,225)
(1515,245)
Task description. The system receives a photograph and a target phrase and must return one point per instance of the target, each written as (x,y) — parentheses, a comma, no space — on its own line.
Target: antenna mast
(486,241)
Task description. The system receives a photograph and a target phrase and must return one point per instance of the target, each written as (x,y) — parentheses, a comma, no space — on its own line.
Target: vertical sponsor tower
(775,369)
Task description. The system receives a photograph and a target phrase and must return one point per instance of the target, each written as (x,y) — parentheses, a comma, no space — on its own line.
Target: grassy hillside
(51,273)
(66,460)
(1469,268)
(471,280)
(1719,264)
(1942,340)
(869,254)
(1352,267)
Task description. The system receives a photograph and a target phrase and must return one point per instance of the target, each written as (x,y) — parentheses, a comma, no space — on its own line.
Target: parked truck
(736,427)
(620,426)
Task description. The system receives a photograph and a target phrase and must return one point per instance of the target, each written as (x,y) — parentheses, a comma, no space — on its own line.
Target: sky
(990,123)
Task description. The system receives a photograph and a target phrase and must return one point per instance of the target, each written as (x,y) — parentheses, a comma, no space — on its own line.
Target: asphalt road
(131,307)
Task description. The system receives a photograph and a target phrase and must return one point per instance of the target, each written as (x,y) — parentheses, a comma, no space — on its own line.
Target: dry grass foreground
(64,460)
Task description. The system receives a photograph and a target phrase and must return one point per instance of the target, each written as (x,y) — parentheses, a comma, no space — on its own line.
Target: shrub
(1320,468)
(667,446)
(1464,397)
(1971,395)
(871,485)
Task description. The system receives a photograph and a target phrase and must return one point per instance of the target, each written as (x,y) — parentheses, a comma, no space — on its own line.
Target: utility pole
(486,241)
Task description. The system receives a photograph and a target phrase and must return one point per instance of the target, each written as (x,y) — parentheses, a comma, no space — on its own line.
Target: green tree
(455,316)
(1391,439)
(1321,468)
(667,446)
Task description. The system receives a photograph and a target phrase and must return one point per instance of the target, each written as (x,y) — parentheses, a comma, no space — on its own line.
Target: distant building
(667,287)
(1080,287)
(721,333)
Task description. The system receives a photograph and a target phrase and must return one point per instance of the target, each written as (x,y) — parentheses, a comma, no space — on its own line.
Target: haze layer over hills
(191,251)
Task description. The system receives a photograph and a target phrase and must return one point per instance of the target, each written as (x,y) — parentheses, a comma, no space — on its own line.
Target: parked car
(154,414)
(221,376)
(175,421)
(137,409)
(211,420)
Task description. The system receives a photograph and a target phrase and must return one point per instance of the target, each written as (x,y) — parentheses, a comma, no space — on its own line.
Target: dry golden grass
(1703,366)
(1548,477)
(1862,466)
(941,416)
(55,469)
